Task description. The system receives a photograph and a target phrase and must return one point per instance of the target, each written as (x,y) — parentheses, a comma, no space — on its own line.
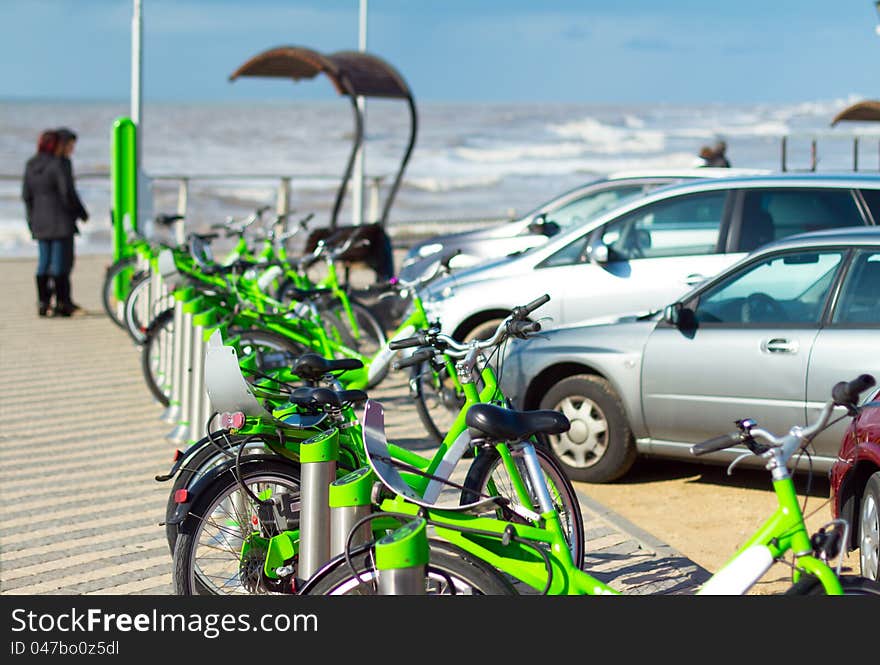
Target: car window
(859,300)
(785,289)
(872,198)
(572,253)
(682,226)
(585,208)
(770,214)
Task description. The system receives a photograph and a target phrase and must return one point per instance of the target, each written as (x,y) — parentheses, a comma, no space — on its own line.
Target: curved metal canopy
(868,110)
(353,74)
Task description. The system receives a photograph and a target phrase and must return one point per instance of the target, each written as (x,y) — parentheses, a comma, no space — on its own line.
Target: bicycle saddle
(498,423)
(167,220)
(308,294)
(312,397)
(311,366)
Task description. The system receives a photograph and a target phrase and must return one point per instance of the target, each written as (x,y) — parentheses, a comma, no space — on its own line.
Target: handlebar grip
(407,342)
(523,328)
(718,443)
(418,357)
(536,303)
(846,393)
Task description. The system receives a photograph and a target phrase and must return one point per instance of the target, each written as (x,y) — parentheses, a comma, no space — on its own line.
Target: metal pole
(783,151)
(137,54)
(357,201)
(855,153)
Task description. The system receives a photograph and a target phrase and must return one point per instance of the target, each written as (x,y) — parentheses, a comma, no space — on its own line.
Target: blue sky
(593,51)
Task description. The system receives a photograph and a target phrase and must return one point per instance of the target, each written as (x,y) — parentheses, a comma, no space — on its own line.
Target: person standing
(75,211)
(52,207)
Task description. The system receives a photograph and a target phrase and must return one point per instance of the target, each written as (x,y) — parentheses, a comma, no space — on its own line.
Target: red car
(855,486)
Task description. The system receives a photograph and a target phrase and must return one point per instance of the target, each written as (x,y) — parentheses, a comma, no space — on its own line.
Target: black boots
(63,305)
(44,294)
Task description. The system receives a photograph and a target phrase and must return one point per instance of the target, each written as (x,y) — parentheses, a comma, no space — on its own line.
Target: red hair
(48,142)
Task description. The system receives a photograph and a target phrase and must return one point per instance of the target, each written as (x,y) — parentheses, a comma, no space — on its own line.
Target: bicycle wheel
(137,314)
(119,271)
(438,403)
(272,350)
(451,571)
(207,553)
(853,585)
(201,462)
(158,337)
(370,335)
(488,466)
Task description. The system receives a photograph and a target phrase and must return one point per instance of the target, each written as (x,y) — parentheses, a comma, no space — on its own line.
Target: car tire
(869,529)
(599,447)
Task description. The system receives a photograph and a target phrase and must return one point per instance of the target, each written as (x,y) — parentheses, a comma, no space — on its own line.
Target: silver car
(650,250)
(570,209)
(766,339)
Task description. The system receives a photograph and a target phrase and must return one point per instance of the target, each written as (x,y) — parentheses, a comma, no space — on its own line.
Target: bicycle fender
(182,511)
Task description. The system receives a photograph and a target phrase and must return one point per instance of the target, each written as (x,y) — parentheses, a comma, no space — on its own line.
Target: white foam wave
(599,137)
(514,152)
(451,184)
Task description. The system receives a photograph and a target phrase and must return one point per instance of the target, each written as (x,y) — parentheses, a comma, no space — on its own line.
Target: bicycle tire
(212,505)
(436,399)
(447,563)
(488,460)
(108,296)
(163,324)
(287,350)
(853,585)
(134,325)
(196,466)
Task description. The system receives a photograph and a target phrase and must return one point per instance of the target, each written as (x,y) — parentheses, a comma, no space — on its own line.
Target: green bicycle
(212,509)
(534,555)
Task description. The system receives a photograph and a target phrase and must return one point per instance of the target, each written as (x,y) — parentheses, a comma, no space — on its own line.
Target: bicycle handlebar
(847,393)
(416,358)
(718,443)
(842,394)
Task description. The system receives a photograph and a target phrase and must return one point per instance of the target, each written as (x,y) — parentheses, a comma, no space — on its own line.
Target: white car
(568,210)
(648,251)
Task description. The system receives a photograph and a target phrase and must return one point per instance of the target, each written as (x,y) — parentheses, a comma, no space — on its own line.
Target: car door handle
(779,345)
(694,278)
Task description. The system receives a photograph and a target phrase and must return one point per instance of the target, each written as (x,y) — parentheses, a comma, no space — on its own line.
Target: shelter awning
(353,73)
(864,111)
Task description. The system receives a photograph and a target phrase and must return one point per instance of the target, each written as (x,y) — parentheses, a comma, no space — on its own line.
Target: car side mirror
(598,252)
(538,223)
(680,316)
(672,314)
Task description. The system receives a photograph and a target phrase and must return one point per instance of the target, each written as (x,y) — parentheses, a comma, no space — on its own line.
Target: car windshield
(582,210)
(791,288)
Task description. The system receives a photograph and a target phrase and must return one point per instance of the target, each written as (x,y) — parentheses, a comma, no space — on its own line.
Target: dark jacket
(51,202)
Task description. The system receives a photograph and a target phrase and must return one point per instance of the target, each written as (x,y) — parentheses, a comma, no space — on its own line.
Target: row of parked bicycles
(284,481)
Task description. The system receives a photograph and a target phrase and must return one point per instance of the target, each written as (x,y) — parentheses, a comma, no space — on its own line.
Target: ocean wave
(451,184)
(599,137)
(525,151)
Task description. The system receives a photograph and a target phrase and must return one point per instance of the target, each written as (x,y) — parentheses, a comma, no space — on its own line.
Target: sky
(556,51)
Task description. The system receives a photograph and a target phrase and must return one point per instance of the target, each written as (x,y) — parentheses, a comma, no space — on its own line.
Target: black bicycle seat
(167,220)
(311,366)
(500,424)
(315,397)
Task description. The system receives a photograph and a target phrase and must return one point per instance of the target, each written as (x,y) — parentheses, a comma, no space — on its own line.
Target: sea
(471,163)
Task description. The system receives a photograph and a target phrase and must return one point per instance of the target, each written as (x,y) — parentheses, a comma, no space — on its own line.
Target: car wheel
(869,528)
(599,446)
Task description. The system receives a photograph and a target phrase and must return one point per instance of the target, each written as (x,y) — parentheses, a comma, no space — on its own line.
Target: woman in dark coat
(52,207)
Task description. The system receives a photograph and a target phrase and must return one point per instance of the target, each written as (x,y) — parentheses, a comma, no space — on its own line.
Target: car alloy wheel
(585,442)
(869,529)
(599,446)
